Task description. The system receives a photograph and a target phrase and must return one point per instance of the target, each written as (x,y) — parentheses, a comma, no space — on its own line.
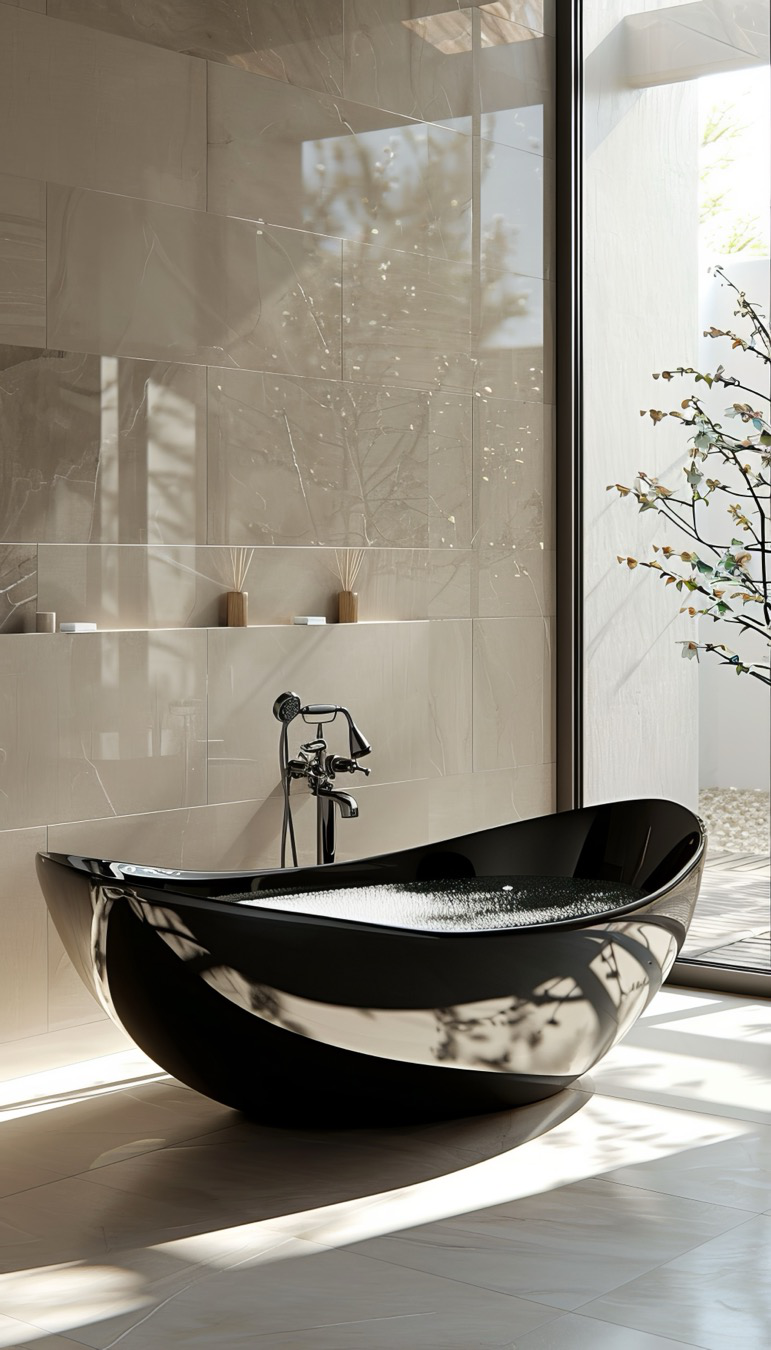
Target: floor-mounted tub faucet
(319,769)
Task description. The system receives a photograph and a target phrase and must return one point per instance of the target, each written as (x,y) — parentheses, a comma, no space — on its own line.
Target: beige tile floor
(632,1212)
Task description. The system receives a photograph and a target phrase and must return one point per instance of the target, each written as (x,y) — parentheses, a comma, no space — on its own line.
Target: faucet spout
(347,805)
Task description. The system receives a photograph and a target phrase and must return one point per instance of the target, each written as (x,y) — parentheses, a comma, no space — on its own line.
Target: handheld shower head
(286,707)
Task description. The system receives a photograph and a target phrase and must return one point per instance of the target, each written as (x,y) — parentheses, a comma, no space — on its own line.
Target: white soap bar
(308,618)
(77,627)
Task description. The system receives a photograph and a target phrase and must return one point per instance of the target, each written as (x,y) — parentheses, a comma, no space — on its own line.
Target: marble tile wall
(276,277)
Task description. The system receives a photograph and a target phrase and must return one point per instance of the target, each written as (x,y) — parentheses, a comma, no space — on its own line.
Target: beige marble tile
(100,449)
(18,588)
(734,1171)
(450,695)
(516,582)
(406,320)
(17,1334)
(717,1294)
(576,1331)
(301,44)
(103,722)
(245,1203)
(148,108)
(188,286)
(241,835)
(70,1003)
(298,1294)
(513,349)
(296,1178)
(61,1061)
(410,58)
(297,462)
(477,801)
(714,1054)
(544,1158)
(391,816)
(452,577)
(295,157)
(560,1247)
(90,1133)
(22,260)
(514,502)
(129,586)
(516,84)
(450,471)
(234,836)
(513,712)
(23,957)
(537,14)
(504,581)
(516,192)
(77,1220)
(378,670)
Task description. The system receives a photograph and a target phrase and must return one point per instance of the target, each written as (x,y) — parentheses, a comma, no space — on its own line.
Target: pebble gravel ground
(737,819)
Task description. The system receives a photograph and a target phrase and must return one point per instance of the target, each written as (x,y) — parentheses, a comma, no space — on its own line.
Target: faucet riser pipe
(325,830)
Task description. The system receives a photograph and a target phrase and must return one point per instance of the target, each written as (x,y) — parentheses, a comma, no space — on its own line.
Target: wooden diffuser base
(347,607)
(237,609)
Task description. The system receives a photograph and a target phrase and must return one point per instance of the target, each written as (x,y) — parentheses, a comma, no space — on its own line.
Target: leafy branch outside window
(725,231)
(725,581)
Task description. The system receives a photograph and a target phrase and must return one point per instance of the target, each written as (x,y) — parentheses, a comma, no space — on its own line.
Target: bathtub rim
(143,890)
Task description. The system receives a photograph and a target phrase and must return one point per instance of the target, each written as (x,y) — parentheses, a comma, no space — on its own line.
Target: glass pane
(678,553)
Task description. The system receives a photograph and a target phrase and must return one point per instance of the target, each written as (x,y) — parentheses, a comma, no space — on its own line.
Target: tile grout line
(662,1265)
(688,1345)
(87,1174)
(671,1106)
(530,1298)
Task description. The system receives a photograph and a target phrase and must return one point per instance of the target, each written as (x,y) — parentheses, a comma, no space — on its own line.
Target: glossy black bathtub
(474,974)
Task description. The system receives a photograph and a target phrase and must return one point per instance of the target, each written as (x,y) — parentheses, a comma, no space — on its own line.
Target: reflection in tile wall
(273,277)
(22,260)
(47,130)
(300,43)
(100,724)
(322,462)
(101,449)
(189,286)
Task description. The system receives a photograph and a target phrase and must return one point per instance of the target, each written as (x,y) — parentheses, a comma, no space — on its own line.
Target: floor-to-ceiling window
(677,530)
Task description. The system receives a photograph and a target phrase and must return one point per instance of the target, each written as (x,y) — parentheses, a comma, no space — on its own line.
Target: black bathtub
(474,974)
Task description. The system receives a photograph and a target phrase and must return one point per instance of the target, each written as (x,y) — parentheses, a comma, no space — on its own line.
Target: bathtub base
(273,1075)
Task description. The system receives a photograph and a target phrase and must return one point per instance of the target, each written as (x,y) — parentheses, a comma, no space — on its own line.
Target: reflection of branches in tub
(260,999)
(568,1018)
(495,1033)
(256,998)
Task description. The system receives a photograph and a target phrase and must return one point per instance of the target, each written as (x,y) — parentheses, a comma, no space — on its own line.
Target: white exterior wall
(641,315)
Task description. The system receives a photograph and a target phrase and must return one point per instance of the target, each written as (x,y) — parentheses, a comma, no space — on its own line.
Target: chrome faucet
(347,805)
(319,769)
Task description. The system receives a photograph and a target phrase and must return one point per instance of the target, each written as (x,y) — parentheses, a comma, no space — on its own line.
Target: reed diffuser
(349,561)
(237,599)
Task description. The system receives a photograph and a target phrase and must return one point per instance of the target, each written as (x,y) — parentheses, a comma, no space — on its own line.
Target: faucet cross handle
(339,764)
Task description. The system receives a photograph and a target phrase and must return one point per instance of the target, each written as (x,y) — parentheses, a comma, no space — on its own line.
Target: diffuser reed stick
(240,561)
(237,599)
(349,561)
